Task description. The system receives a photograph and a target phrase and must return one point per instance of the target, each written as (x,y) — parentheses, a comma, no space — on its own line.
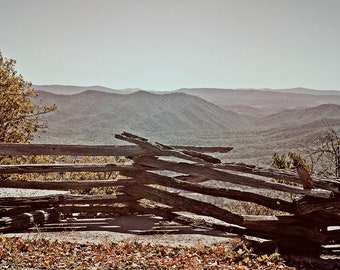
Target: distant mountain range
(254,102)
(299,117)
(94,116)
(71,89)
(256,123)
(265,101)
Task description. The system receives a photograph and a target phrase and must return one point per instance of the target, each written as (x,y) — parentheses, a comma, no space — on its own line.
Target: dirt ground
(141,228)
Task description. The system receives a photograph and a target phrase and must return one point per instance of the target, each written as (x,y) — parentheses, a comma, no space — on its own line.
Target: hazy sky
(171,44)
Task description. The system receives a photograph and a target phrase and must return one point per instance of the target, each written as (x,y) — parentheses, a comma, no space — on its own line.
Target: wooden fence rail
(303,223)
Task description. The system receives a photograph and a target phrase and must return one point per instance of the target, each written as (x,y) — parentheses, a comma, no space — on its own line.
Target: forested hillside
(93,117)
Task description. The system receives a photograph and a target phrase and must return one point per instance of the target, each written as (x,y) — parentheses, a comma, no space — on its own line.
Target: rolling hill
(300,117)
(266,101)
(251,102)
(71,89)
(94,116)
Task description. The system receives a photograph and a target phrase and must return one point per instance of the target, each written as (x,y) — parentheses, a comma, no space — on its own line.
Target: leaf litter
(40,253)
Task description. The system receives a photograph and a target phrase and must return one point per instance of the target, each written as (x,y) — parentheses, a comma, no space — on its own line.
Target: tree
(280,161)
(323,157)
(284,162)
(328,152)
(19,116)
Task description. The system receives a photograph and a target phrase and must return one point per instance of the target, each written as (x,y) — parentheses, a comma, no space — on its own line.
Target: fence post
(337,161)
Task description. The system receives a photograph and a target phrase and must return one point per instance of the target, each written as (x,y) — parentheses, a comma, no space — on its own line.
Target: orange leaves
(46,254)
(20,245)
(19,115)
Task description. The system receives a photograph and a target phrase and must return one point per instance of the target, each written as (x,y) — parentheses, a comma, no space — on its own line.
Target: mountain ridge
(263,102)
(74,89)
(94,116)
(94,112)
(251,102)
(323,112)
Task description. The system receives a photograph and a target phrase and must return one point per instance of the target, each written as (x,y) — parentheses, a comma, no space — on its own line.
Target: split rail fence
(307,224)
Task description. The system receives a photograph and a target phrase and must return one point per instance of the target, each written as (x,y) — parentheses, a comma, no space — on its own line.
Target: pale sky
(171,44)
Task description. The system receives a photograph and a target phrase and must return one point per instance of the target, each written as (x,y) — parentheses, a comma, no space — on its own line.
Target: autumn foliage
(47,254)
(19,116)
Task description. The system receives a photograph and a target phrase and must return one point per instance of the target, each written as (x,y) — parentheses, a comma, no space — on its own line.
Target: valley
(256,123)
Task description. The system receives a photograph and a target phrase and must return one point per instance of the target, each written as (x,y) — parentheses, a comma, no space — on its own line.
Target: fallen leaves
(45,254)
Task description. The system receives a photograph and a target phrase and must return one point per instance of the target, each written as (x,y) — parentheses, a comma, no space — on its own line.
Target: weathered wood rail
(307,224)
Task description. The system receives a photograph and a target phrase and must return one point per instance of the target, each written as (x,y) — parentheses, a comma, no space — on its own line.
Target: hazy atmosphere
(170,134)
(166,45)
